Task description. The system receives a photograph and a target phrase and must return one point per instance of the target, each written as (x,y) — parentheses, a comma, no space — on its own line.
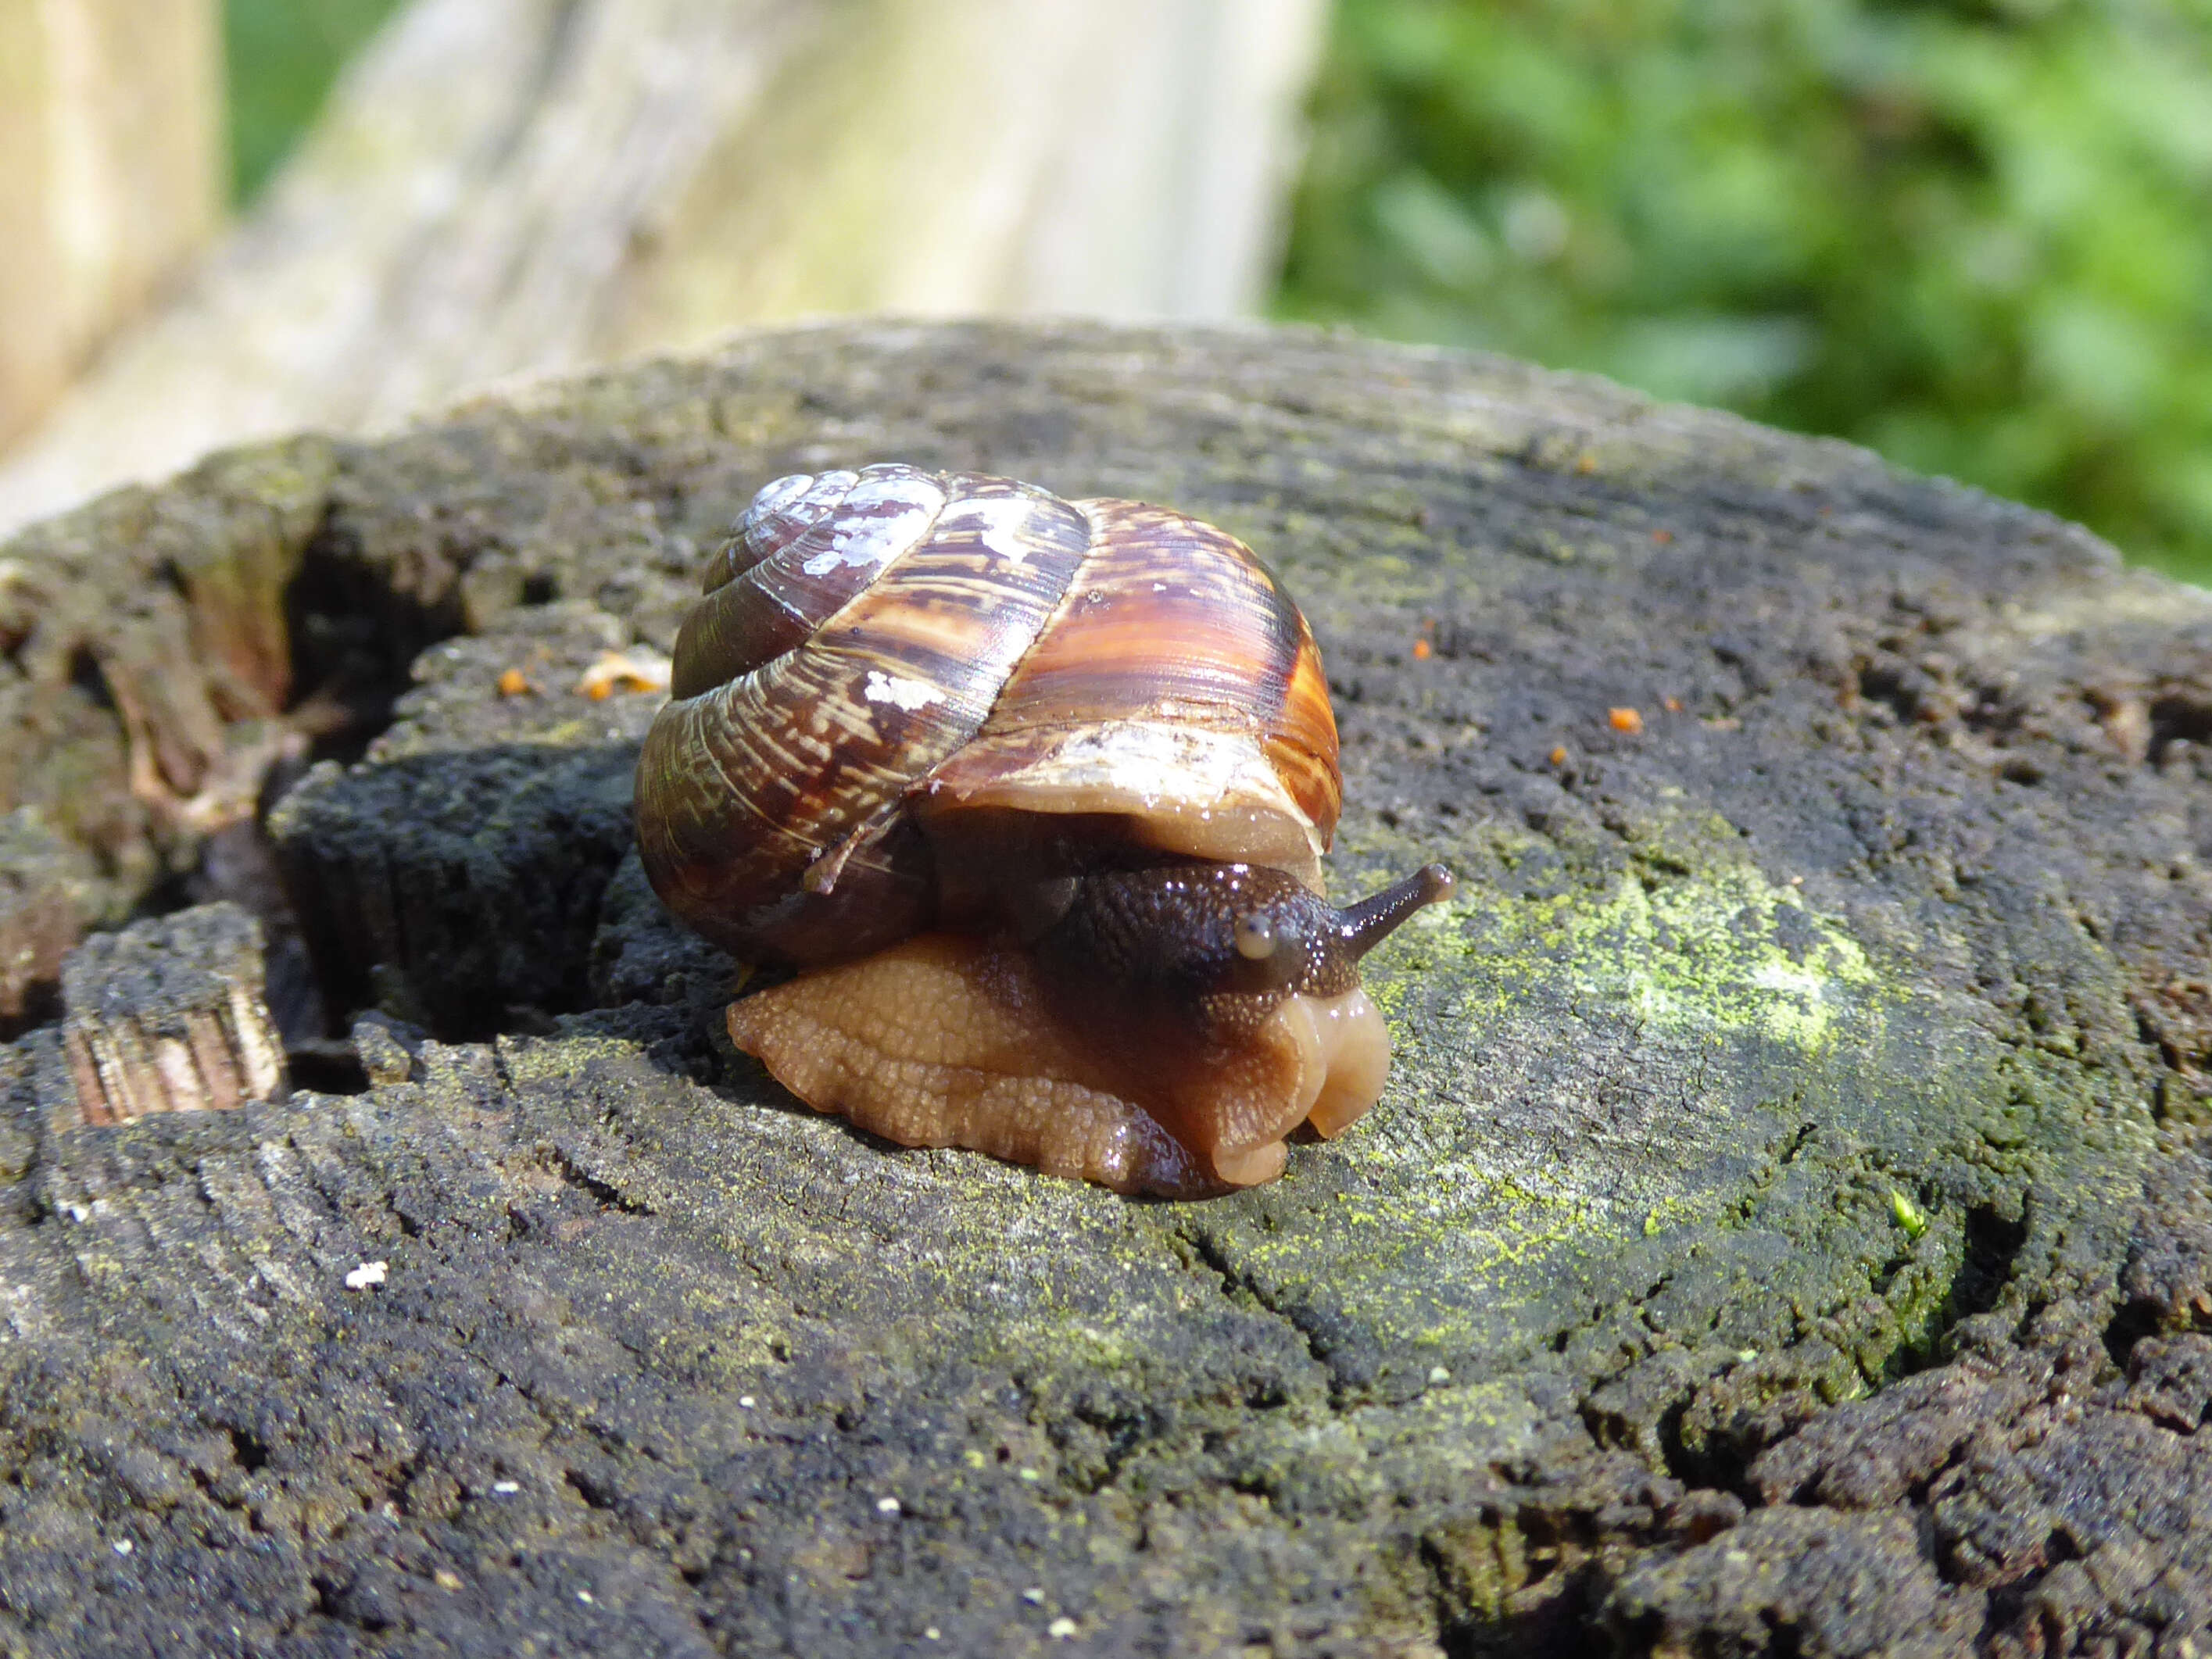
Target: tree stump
(1787,1230)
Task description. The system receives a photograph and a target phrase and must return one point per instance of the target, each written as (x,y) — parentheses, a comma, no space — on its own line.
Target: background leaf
(1976,237)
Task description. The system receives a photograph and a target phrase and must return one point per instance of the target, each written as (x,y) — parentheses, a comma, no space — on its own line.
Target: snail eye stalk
(1363,926)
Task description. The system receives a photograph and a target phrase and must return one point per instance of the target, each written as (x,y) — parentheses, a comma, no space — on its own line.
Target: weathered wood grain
(168,1015)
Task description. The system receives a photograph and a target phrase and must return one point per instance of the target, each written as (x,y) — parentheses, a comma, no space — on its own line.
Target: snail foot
(939,1041)
(945,1040)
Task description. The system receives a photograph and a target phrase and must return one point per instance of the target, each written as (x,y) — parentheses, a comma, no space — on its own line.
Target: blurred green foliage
(1976,237)
(282,56)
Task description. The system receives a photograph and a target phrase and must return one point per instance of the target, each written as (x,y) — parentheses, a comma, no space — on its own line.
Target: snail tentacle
(1363,926)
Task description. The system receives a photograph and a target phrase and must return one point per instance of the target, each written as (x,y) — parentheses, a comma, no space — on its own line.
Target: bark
(1785,1231)
(509,186)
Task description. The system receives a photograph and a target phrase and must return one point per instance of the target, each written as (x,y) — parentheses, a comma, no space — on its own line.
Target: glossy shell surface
(893,671)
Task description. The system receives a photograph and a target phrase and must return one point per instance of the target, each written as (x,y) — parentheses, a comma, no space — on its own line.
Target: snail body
(1034,792)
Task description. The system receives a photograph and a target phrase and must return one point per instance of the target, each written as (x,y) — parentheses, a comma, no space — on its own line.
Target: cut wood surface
(1786,1231)
(168,1016)
(507,187)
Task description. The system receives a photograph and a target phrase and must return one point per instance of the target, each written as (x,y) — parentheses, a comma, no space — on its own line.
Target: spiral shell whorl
(784,510)
(805,549)
(892,648)
(915,595)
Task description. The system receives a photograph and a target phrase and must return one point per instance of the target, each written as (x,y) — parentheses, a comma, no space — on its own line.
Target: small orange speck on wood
(1625,720)
(1559,755)
(623,670)
(1662,537)
(1421,650)
(514,683)
(1672,705)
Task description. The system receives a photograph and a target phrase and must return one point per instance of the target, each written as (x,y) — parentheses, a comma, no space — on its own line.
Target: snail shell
(1036,791)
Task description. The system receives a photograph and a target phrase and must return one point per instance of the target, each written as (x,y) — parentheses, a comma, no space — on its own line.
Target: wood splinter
(168,1016)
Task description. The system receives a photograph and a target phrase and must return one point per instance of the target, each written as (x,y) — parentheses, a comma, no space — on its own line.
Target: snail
(1033,793)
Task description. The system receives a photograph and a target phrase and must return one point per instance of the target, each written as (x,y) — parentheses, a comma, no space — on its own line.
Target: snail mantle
(1784,1221)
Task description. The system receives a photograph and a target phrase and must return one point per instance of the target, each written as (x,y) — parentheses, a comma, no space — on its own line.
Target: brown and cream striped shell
(902,687)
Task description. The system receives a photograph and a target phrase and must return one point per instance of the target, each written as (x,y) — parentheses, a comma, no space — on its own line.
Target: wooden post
(503,188)
(110,174)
